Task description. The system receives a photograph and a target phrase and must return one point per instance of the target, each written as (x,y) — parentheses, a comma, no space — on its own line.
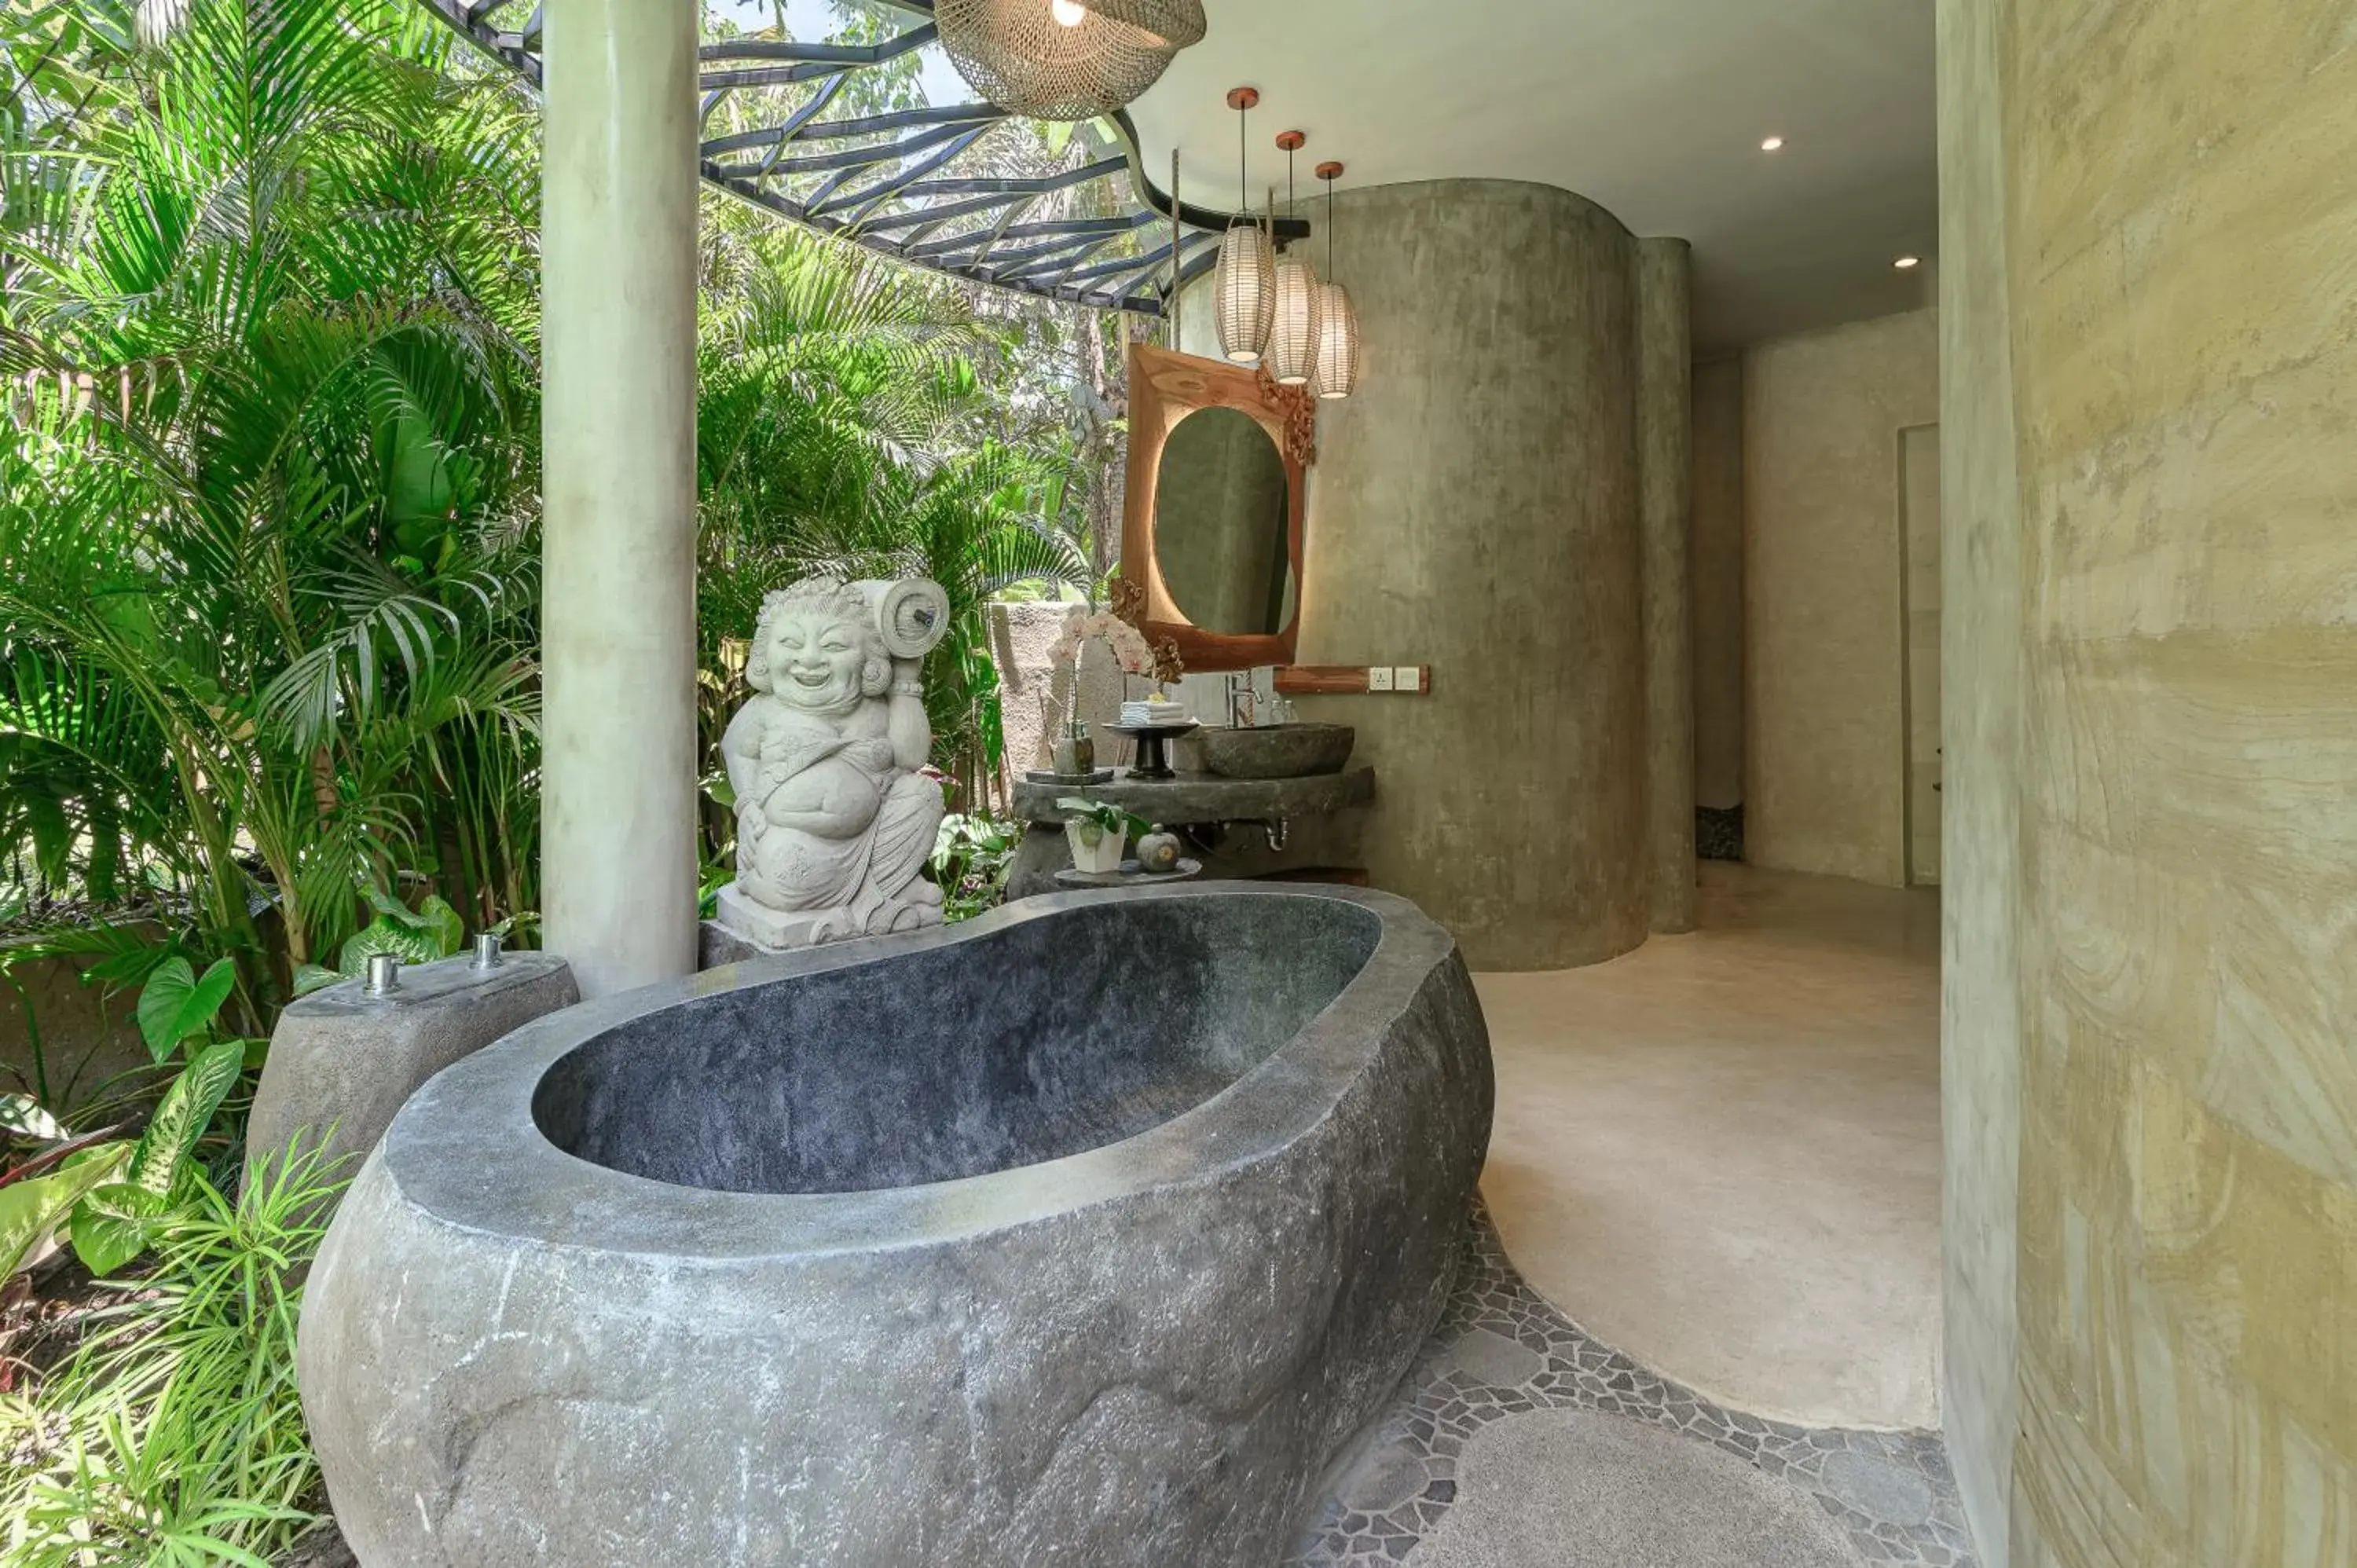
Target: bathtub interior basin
(1041,1038)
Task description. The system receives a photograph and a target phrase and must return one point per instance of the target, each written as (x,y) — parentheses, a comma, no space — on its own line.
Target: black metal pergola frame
(890,182)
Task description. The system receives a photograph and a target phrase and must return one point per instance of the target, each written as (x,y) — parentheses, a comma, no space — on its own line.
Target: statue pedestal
(757,925)
(742,928)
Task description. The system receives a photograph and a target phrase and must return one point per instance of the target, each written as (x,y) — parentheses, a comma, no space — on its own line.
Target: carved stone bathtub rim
(1281,1117)
(672,1219)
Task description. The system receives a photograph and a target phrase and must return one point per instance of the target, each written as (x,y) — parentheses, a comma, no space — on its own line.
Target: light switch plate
(1379,678)
(1408,677)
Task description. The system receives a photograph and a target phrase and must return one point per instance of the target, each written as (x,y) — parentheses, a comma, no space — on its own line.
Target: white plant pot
(1104,855)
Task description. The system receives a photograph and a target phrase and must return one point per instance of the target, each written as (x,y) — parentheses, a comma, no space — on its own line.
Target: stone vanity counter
(1320,812)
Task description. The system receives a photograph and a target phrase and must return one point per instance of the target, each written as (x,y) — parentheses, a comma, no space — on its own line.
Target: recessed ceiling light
(1906,263)
(1772,145)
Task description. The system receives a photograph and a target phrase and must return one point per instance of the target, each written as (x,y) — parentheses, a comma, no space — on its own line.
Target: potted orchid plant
(1099,832)
(1130,648)
(1075,752)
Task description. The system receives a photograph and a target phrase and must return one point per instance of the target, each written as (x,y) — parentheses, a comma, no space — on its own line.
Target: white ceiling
(1653,108)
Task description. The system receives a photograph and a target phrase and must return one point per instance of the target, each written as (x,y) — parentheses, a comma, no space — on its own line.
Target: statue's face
(815,660)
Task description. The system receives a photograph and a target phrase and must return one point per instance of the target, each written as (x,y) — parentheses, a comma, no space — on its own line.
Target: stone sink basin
(1271,751)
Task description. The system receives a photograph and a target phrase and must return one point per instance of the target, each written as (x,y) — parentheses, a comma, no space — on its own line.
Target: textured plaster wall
(1980,713)
(2178,253)
(1475,508)
(1716,556)
(1826,738)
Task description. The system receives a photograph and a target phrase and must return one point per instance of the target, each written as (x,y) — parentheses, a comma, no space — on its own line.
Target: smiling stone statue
(833,821)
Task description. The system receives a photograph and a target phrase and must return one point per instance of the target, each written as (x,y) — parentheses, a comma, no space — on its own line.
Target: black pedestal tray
(1151,761)
(1131,874)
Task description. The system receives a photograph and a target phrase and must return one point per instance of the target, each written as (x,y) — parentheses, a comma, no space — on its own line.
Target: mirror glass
(1221,510)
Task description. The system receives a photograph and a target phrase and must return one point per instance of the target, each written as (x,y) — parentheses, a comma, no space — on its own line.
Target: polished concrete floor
(1720,1154)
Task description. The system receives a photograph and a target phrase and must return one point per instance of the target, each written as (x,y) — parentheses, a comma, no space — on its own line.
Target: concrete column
(1475,508)
(617,236)
(1665,508)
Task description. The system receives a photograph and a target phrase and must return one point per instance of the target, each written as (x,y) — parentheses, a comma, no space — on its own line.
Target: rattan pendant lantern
(1065,60)
(1338,319)
(1291,357)
(1245,282)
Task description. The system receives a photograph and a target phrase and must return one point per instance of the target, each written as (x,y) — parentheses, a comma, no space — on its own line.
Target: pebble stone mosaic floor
(1501,1351)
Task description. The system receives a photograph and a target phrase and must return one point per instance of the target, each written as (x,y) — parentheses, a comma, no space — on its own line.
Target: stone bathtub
(1083,1234)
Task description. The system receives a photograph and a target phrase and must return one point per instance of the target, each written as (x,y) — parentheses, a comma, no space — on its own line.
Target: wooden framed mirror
(1218,482)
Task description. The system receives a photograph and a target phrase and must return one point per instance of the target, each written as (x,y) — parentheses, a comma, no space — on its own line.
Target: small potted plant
(1099,832)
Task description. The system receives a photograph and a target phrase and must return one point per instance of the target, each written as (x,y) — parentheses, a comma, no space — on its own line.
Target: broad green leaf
(23,1115)
(392,909)
(444,924)
(405,942)
(173,982)
(114,1223)
(313,977)
(30,1210)
(186,1113)
(177,1004)
(433,930)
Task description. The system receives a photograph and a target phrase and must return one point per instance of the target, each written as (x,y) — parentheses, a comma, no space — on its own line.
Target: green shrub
(972,857)
(174,1435)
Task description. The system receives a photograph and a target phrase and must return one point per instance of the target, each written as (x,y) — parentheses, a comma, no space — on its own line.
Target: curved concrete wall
(1476,508)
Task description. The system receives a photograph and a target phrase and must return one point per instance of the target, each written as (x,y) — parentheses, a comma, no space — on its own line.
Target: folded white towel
(1153,711)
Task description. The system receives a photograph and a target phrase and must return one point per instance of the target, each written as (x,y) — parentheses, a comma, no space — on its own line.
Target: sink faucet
(1241,701)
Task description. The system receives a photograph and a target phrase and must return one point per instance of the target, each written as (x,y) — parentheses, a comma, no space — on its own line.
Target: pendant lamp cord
(1243,156)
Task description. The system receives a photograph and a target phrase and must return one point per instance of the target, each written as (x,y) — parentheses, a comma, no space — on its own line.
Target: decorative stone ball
(1159,851)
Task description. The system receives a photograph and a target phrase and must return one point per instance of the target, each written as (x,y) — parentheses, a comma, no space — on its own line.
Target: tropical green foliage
(269,489)
(112,1195)
(266,616)
(972,856)
(174,1435)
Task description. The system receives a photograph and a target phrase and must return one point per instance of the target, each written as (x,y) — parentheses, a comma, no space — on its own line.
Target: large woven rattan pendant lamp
(1291,357)
(1245,282)
(1338,318)
(1065,60)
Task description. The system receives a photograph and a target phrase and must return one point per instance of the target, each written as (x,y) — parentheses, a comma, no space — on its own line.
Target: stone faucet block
(342,1062)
